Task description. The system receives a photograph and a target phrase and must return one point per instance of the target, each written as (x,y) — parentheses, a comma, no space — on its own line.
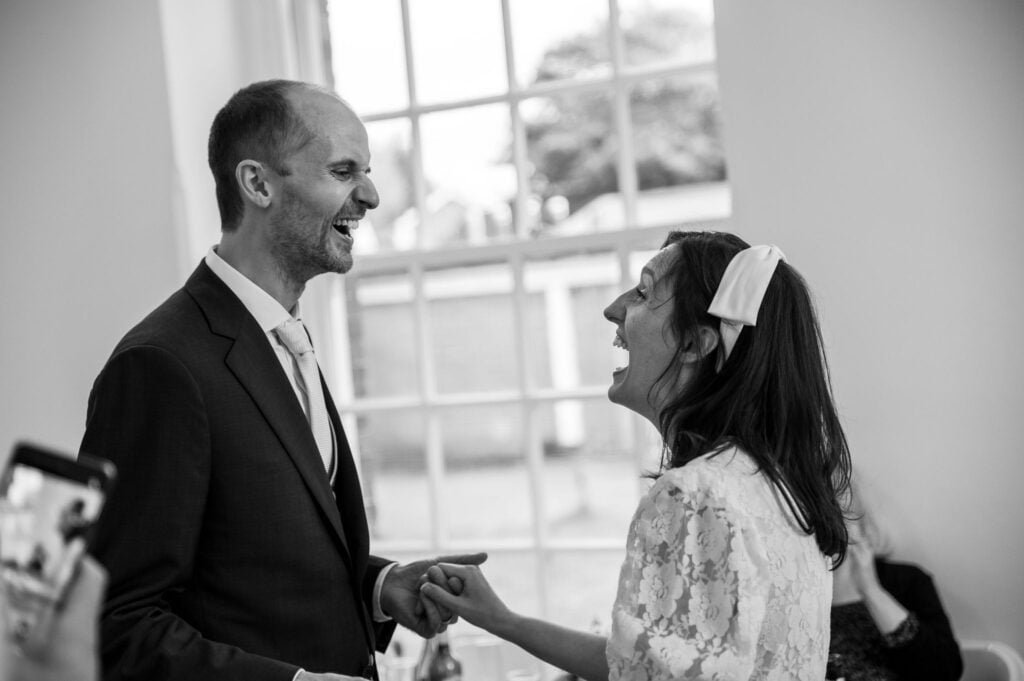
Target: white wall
(881,145)
(84,201)
(106,201)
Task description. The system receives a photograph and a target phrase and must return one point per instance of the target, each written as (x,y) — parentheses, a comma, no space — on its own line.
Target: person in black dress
(888,623)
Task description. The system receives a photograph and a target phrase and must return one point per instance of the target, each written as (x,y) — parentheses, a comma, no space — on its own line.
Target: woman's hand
(862,562)
(475,601)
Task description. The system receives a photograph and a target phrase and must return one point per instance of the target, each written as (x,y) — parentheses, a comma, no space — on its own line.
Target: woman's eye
(641,292)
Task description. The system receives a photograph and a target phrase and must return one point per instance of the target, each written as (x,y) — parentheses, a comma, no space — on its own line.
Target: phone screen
(44,519)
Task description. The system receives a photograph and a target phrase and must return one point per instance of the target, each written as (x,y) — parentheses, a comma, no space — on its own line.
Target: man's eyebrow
(348,165)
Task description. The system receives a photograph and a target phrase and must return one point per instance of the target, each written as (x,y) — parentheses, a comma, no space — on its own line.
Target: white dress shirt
(267,312)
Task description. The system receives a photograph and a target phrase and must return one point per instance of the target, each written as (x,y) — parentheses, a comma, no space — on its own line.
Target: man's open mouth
(345,225)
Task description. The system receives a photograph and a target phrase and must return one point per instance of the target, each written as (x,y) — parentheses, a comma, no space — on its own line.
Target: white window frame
(516,253)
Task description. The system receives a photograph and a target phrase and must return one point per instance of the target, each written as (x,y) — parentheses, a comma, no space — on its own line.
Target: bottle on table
(427,653)
(444,667)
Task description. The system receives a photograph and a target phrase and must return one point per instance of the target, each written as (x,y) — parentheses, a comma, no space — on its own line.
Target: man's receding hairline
(299,114)
(295,89)
(302,110)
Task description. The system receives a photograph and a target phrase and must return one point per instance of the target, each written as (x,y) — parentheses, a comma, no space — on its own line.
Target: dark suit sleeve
(147,416)
(382,631)
(933,653)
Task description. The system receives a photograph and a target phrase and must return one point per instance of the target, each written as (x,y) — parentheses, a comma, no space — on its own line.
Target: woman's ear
(700,344)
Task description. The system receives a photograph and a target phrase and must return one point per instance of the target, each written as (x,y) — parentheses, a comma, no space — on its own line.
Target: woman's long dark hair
(772,397)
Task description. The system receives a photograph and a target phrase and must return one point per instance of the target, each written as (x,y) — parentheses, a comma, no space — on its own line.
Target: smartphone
(48,504)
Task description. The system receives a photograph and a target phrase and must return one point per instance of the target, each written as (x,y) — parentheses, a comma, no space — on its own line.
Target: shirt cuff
(378,613)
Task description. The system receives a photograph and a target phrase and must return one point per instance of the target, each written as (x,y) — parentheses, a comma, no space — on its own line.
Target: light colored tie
(293,334)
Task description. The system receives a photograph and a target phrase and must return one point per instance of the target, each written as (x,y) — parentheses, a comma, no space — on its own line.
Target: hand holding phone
(48,504)
(71,651)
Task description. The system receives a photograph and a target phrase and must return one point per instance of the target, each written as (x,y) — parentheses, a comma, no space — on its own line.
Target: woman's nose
(613,312)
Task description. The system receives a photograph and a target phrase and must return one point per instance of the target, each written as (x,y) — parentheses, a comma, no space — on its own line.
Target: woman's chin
(615,390)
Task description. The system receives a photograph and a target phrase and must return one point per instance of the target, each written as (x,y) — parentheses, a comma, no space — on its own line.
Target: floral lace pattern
(719,582)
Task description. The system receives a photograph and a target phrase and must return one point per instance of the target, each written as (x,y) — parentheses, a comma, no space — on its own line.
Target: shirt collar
(264,308)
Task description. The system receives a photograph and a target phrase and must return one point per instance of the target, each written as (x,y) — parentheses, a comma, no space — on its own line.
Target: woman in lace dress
(726,574)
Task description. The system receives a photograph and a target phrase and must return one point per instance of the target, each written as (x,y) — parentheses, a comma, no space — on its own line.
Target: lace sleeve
(688,606)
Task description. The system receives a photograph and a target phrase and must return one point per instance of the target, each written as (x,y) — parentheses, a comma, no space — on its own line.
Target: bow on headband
(741,291)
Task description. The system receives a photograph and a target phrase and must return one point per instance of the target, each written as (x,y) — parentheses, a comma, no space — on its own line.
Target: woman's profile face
(642,317)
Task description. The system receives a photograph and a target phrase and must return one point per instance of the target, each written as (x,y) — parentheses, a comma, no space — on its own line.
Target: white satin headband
(741,291)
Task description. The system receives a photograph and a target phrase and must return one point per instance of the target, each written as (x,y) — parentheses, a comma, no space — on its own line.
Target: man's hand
(400,595)
(475,600)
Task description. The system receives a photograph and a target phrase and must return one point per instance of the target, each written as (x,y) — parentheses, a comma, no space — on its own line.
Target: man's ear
(253,182)
(700,344)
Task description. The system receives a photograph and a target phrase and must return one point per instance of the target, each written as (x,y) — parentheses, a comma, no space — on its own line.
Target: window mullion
(623,119)
(419,186)
(521,226)
(434,437)
(534,452)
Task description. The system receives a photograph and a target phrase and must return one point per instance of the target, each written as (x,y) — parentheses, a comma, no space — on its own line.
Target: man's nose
(366,194)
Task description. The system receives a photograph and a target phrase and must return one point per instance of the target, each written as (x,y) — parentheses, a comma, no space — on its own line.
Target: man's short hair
(258,123)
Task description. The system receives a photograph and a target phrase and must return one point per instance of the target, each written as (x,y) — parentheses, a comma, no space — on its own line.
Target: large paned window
(530,156)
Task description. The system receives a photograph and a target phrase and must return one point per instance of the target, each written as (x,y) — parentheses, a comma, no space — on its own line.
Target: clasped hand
(474,599)
(401,598)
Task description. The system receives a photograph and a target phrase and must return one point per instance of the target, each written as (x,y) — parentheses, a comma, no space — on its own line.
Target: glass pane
(392,225)
(566,334)
(581,587)
(472,328)
(573,150)
(677,143)
(537,338)
(393,475)
(470,178)
(590,475)
(485,493)
(382,87)
(595,333)
(561,40)
(458,49)
(382,335)
(656,31)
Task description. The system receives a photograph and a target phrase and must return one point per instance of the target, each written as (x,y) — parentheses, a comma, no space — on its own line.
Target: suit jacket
(229,557)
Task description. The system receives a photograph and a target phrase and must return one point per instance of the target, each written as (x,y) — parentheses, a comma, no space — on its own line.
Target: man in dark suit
(236,539)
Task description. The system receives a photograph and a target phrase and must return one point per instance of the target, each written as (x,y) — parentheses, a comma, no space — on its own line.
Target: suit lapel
(252,361)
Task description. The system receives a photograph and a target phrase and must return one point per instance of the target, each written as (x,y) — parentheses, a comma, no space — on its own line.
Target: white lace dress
(719,582)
